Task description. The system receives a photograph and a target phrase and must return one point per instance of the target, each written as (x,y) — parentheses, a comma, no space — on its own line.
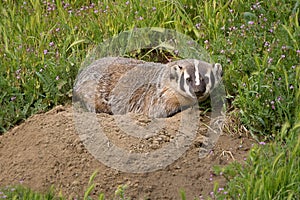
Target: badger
(118,85)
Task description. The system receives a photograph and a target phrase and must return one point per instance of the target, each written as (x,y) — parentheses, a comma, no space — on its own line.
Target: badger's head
(193,78)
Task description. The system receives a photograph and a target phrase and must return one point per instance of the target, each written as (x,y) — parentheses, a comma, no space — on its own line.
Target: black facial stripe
(182,81)
(212,79)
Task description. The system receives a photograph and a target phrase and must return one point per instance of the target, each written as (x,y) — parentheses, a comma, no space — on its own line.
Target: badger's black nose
(200,90)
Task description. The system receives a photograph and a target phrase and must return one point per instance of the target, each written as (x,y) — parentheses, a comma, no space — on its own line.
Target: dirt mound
(46,150)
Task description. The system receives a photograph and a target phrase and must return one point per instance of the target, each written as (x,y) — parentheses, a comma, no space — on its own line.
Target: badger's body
(118,85)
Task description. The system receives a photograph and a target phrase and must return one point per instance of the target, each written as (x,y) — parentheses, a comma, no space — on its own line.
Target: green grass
(270,172)
(43,44)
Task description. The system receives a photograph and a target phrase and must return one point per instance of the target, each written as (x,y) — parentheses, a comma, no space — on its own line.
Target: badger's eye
(188,80)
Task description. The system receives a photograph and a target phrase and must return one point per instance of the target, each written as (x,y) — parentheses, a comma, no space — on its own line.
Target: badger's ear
(217,68)
(175,71)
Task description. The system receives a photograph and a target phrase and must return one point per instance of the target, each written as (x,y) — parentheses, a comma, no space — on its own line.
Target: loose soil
(46,151)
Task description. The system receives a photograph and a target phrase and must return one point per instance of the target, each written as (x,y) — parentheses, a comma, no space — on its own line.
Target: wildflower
(267,44)
(127,2)
(141,18)
(291,87)
(242,26)
(57,29)
(176,52)
(262,143)
(222,51)
(283,47)
(271,30)
(206,42)
(273,107)
(41,70)
(225,192)
(57,78)
(13,98)
(51,44)
(251,22)
(211,194)
(154,8)
(293,67)
(96,11)
(198,25)
(298,51)
(220,189)
(282,56)
(244,84)
(230,10)
(279,98)
(279,78)
(45,51)
(221,173)
(270,60)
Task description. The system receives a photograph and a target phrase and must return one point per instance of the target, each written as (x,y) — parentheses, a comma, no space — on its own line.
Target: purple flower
(273,107)
(279,98)
(270,60)
(271,30)
(267,44)
(220,189)
(57,78)
(282,56)
(293,67)
(57,29)
(198,25)
(45,51)
(154,8)
(225,192)
(127,2)
(141,18)
(298,51)
(291,87)
(13,98)
(272,102)
(262,143)
(51,44)
(251,22)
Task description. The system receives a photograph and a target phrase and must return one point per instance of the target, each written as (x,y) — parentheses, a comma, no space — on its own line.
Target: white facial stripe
(196,64)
